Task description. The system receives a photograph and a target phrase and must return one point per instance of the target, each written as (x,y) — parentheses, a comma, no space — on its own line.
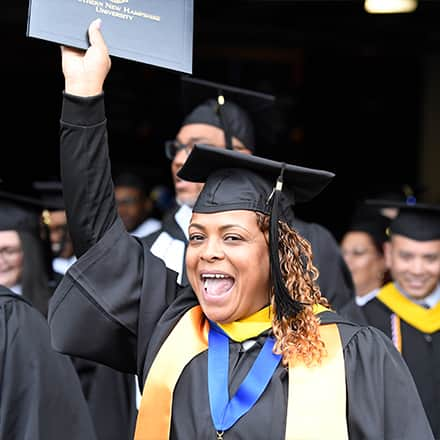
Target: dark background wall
(351,87)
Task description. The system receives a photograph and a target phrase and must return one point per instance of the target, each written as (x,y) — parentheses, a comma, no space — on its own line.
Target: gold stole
(424,320)
(313,391)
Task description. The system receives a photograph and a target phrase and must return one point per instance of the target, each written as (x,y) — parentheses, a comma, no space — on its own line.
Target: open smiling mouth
(216,285)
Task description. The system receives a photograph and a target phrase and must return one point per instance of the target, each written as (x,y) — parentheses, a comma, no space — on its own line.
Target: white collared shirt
(431,300)
(364,299)
(61,265)
(147,227)
(17,289)
(172,250)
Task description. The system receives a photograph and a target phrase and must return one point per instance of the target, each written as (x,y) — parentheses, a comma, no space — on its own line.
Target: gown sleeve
(383,402)
(94,313)
(86,170)
(40,393)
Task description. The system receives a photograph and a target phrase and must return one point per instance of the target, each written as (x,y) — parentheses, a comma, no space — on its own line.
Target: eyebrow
(229,226)
(194,140)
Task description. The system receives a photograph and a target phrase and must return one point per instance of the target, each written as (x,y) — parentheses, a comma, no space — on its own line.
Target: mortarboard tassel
(221,115)
(286,306)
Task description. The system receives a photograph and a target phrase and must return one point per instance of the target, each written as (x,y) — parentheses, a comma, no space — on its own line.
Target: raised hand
(85,70)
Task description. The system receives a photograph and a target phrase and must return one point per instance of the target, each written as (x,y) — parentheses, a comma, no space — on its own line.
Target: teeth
(214,275)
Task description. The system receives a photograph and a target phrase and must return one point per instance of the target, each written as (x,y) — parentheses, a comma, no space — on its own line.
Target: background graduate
(408,308)
(40,393)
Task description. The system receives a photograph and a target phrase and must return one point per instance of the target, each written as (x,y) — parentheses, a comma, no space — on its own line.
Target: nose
(212,251)
(179,160)
(417,266)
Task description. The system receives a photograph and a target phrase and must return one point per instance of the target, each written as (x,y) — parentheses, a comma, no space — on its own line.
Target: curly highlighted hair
(297,338)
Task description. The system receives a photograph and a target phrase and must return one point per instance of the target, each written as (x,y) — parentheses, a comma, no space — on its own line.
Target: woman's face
(11,258)
(227,262)
(366,263)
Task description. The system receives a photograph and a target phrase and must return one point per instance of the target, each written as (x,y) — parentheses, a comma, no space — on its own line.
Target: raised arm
(85,165)
(94,313)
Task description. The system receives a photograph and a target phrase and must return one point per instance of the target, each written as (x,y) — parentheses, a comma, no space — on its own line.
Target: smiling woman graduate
(250,349)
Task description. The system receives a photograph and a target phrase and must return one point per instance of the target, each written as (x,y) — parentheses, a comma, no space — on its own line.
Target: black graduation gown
(110,396)
(40,394)
(118,303)
(420,351)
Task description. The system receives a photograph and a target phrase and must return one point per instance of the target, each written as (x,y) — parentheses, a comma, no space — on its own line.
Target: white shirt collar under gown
(364,299)
(17,289)
(147,227)
(60,265)
(172,250)
(430,301)
(183,218)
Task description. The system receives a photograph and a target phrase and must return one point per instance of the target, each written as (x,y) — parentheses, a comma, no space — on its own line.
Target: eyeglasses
(9,253)
(174,146)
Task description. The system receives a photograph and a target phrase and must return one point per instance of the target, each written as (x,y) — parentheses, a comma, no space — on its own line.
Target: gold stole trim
(424,320)
(256,324)
(247,328)
(316,406)
(318,390)
(188,338)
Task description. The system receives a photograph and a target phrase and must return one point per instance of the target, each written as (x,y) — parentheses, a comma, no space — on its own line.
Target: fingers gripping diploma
(85,71)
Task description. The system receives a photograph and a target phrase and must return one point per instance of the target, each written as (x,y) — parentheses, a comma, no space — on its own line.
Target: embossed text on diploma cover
(156,32)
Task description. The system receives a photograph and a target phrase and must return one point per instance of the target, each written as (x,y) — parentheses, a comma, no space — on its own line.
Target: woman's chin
(216,314)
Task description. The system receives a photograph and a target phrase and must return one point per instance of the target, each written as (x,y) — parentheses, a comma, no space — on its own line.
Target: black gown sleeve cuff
(83,111)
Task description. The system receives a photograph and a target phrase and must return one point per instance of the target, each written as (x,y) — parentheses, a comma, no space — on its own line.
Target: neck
(367,288)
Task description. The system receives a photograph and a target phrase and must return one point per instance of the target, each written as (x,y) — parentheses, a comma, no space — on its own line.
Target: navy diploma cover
(156,32)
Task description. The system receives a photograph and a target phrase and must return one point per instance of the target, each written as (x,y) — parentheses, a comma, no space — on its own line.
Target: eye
(196,237)
(405,257)
(359,252)
(232,237)
(432,258)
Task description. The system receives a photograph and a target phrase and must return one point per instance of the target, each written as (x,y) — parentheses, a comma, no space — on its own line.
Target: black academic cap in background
(19,212)
(237,181)
(131,180)
(417,221)
(397,192)
(248,115)
(51,194)
(369,220)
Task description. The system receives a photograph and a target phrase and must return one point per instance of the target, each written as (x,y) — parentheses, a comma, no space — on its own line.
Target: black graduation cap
(248,115)
(235,181)
(51,194)
(368,219)
(418,221)
(19,212)
(131,180)
(398,192)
